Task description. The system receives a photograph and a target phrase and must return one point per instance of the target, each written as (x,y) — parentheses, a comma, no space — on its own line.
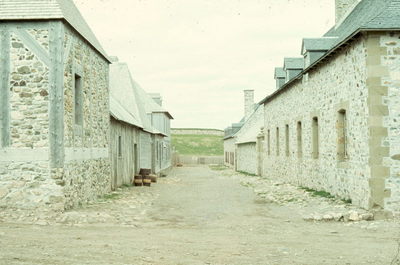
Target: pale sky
(201,54)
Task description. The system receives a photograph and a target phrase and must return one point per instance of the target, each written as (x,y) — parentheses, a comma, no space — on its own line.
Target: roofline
(114,117)
(330,52)
(247,142)
(160,133)
(165,112)
(228,137)
(63,20)
(204,129)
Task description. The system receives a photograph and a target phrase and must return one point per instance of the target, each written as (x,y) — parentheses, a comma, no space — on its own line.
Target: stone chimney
(343,8)
(248,103)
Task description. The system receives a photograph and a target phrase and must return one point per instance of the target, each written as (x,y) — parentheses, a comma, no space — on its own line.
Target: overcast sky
(201,54)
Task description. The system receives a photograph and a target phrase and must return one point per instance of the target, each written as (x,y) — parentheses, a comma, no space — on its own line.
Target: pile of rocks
(350,216)
(123,207)
(311,208)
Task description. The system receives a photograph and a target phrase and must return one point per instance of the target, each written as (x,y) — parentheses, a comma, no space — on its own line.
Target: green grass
(247,174)
(218,167)
(111,196)
(348,201)
(318,193)
(202,145)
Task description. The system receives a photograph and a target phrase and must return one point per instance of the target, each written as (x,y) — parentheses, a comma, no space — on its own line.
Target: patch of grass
(218,167)
(318,193)
(205,145)
(347,201)
(247,174)
(126,186)
(111,196)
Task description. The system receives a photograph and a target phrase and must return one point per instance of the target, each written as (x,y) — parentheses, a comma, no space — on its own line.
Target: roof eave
(247,142)
(63,20)
(300,75)
(118,119)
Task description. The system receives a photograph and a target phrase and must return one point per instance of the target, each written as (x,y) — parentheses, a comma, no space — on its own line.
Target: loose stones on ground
(318,209)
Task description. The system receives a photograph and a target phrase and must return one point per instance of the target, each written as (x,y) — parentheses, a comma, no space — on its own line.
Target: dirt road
(194,216)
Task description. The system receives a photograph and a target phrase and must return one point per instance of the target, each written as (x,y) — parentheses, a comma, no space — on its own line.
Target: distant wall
(195,131)
(199,160)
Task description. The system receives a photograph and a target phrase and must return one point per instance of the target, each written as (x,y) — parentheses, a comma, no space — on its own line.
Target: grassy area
(218,167)
(111,196)
(324,194)
(205,145)
(318,193)
(247,174)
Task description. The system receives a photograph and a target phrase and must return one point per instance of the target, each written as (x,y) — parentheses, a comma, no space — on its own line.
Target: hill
(198,144)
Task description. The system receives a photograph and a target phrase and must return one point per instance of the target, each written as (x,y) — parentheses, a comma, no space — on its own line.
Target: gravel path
(199,216)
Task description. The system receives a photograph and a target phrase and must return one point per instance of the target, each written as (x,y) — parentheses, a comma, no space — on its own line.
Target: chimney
(343,8)
(248,103)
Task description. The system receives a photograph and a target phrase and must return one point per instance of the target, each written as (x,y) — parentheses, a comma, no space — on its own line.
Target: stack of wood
(145,178)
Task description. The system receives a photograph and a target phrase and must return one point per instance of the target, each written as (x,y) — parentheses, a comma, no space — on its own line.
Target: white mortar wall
(247,158)
(339,80)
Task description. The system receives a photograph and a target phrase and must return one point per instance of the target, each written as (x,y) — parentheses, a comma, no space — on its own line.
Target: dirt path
(194,216)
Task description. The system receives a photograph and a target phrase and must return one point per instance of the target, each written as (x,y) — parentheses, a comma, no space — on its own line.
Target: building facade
(334,126)
(248,143)
(54,123)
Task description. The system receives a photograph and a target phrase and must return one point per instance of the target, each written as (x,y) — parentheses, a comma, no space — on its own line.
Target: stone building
(241,142)
(140,128)
(54,107)
(249,143)
(335,125)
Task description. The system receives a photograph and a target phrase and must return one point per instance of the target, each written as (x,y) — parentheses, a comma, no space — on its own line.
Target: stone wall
(25,176)
(362,79)
(336,84)
(39,169)
(199,160)
(86,178)
(384,87)
(198,132)
(247,158)
(29,99)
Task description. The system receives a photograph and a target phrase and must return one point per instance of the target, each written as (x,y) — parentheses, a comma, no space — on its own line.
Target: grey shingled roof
(318,44)
(50,9)
(293,63)
(149,104)
(123,101)
(280,72)
(367,15)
